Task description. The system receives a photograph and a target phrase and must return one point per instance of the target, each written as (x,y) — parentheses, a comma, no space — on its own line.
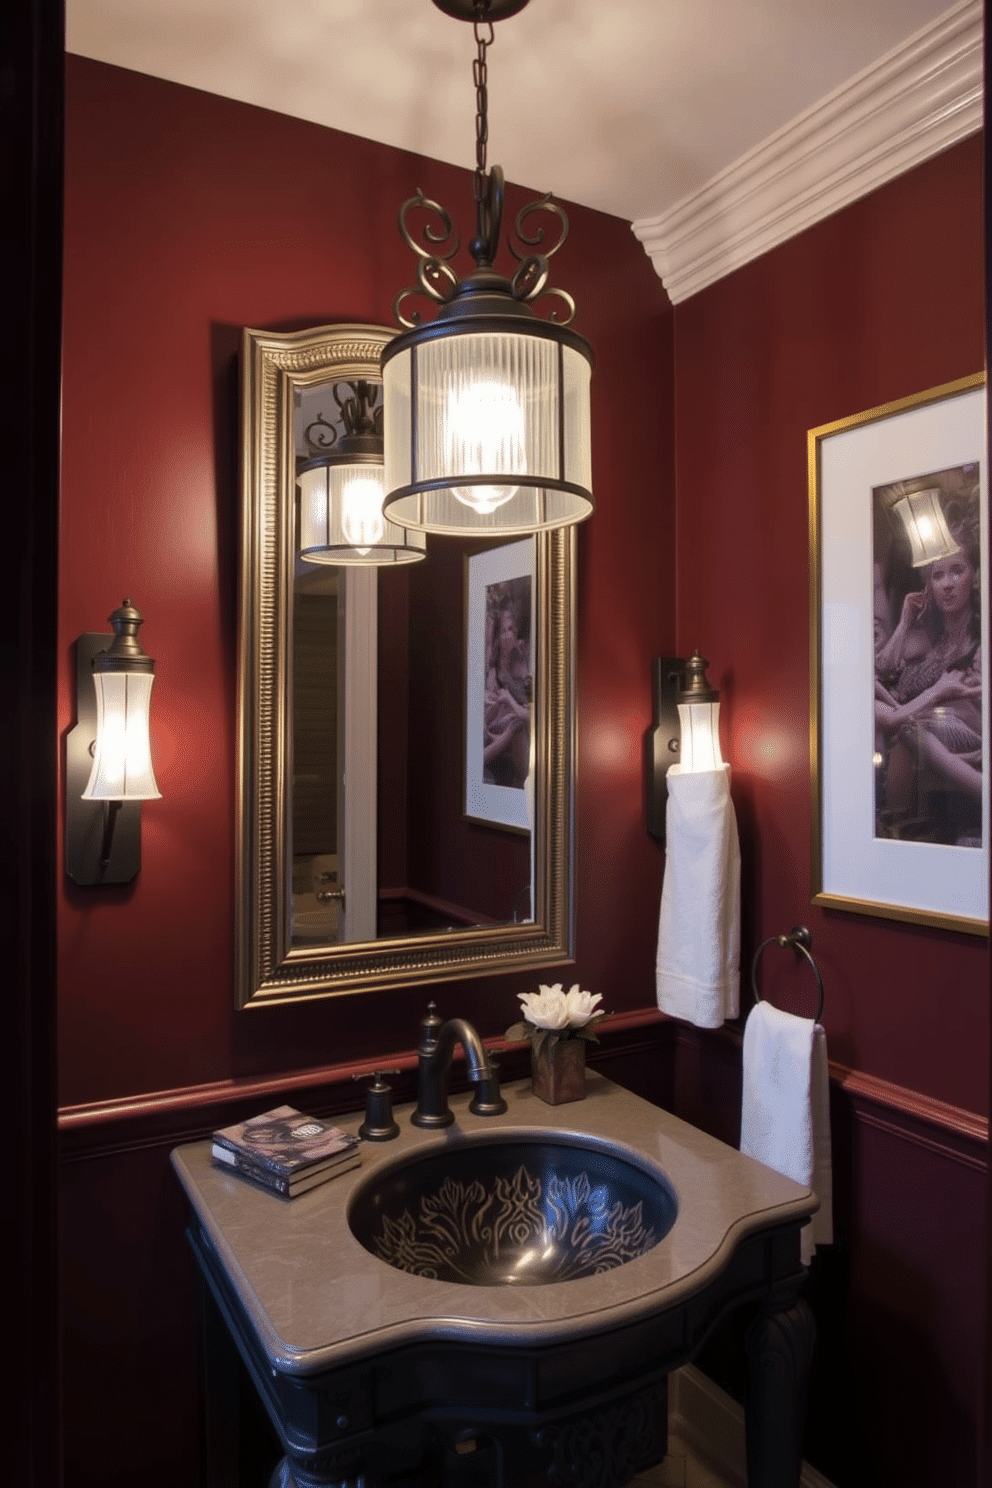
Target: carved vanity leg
(779,1343)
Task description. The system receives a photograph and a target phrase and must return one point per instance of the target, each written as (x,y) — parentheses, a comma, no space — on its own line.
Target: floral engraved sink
(514,1212)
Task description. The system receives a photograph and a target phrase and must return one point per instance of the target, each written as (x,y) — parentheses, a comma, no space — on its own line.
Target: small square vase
(558,1071)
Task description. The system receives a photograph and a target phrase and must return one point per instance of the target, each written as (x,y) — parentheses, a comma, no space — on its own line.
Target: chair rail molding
(918,99)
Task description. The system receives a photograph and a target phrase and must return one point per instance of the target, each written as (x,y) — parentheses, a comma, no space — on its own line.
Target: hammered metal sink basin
(514,1212)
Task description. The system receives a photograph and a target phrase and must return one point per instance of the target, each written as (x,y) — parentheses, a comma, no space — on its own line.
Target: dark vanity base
(586,1413)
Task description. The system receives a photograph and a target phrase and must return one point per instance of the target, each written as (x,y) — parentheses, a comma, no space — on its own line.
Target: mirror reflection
(406,723)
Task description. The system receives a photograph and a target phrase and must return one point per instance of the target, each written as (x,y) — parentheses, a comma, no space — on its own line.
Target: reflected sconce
(108,759)
(923,519)
(685,729)
(341,489)
(487,419)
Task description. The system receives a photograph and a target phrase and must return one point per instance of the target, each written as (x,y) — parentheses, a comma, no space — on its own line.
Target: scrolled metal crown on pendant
(437,280)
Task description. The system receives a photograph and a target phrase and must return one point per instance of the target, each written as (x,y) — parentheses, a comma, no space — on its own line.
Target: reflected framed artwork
(899,659)
(500,680)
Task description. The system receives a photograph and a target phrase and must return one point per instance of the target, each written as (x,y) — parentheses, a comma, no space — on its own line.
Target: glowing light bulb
(484,435)
(361,512)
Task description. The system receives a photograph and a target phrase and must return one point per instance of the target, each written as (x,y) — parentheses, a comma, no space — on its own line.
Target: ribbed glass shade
(926,527)
(487,431)
(341,520)
(700,737)
(122,762)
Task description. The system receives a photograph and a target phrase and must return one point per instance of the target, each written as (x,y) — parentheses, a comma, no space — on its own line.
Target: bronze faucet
(434,1054)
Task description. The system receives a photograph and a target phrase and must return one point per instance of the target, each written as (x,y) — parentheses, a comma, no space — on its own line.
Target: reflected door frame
(357,747)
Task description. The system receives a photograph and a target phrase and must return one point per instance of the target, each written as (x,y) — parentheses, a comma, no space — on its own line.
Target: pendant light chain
(484,37)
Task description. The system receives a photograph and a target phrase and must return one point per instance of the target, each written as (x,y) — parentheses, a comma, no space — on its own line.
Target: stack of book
(286,1151)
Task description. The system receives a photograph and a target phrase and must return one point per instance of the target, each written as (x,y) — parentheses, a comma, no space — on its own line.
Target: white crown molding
(912,103)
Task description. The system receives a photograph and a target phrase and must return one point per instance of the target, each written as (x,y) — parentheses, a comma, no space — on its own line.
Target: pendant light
(487,422)
(341,489)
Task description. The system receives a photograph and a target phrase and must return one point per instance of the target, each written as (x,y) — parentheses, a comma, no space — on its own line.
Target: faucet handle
(430,1027)
(487,1100)
(379,1125)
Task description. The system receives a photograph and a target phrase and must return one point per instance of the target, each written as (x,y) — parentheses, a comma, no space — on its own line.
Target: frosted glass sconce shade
(341,490)
(926,527)
(108,759)
(122,761)
(700,724)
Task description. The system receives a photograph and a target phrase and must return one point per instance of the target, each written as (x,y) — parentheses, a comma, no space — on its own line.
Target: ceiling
(624,105)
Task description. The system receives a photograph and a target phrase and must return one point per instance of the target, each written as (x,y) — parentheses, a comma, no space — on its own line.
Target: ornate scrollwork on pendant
(359,413)
(531,279)
(435,277)
(543,204)
(320,435)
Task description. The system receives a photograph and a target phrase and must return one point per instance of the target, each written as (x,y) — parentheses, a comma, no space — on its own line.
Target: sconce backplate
(663,741)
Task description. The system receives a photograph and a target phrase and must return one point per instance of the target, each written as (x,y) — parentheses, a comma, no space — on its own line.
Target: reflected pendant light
(699,717)
(923,518)
(487,423)
(341,489)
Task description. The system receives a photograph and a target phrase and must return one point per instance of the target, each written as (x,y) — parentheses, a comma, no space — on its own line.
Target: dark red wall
(188,217)
(881,301)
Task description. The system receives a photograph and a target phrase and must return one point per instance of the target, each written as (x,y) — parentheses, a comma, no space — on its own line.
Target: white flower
(550,1007)
(546,1008)
(580,1006)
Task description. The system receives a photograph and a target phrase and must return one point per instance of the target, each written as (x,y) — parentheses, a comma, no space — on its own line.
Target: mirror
(406,760)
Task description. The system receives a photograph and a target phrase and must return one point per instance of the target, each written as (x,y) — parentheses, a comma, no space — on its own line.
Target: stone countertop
(317,1299)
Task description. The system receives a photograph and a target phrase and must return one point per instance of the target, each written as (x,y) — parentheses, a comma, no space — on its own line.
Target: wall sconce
(685,729)
(487,421)
(923,518)
(342,489)
(108,760)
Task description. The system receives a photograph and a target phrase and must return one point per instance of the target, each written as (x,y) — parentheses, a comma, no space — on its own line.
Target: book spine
(278,1167)
(230,1157)
(286,1187)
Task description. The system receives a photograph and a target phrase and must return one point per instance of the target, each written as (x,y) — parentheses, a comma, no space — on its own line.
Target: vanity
(375,1376)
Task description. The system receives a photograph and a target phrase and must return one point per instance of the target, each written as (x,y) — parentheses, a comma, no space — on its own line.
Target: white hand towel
(699,928)
(785,1109)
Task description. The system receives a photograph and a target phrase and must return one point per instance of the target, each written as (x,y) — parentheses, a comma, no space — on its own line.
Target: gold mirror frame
(269,969)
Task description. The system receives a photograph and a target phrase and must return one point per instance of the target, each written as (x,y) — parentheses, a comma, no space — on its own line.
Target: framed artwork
(899,659)
(500,685)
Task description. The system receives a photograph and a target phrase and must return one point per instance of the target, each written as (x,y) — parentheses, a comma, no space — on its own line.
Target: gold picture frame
(899,740)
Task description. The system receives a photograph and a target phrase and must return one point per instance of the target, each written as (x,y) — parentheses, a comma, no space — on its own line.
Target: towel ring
(800,940)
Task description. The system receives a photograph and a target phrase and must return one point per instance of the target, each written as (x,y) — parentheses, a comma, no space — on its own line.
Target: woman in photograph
(928,695)
(506,714)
